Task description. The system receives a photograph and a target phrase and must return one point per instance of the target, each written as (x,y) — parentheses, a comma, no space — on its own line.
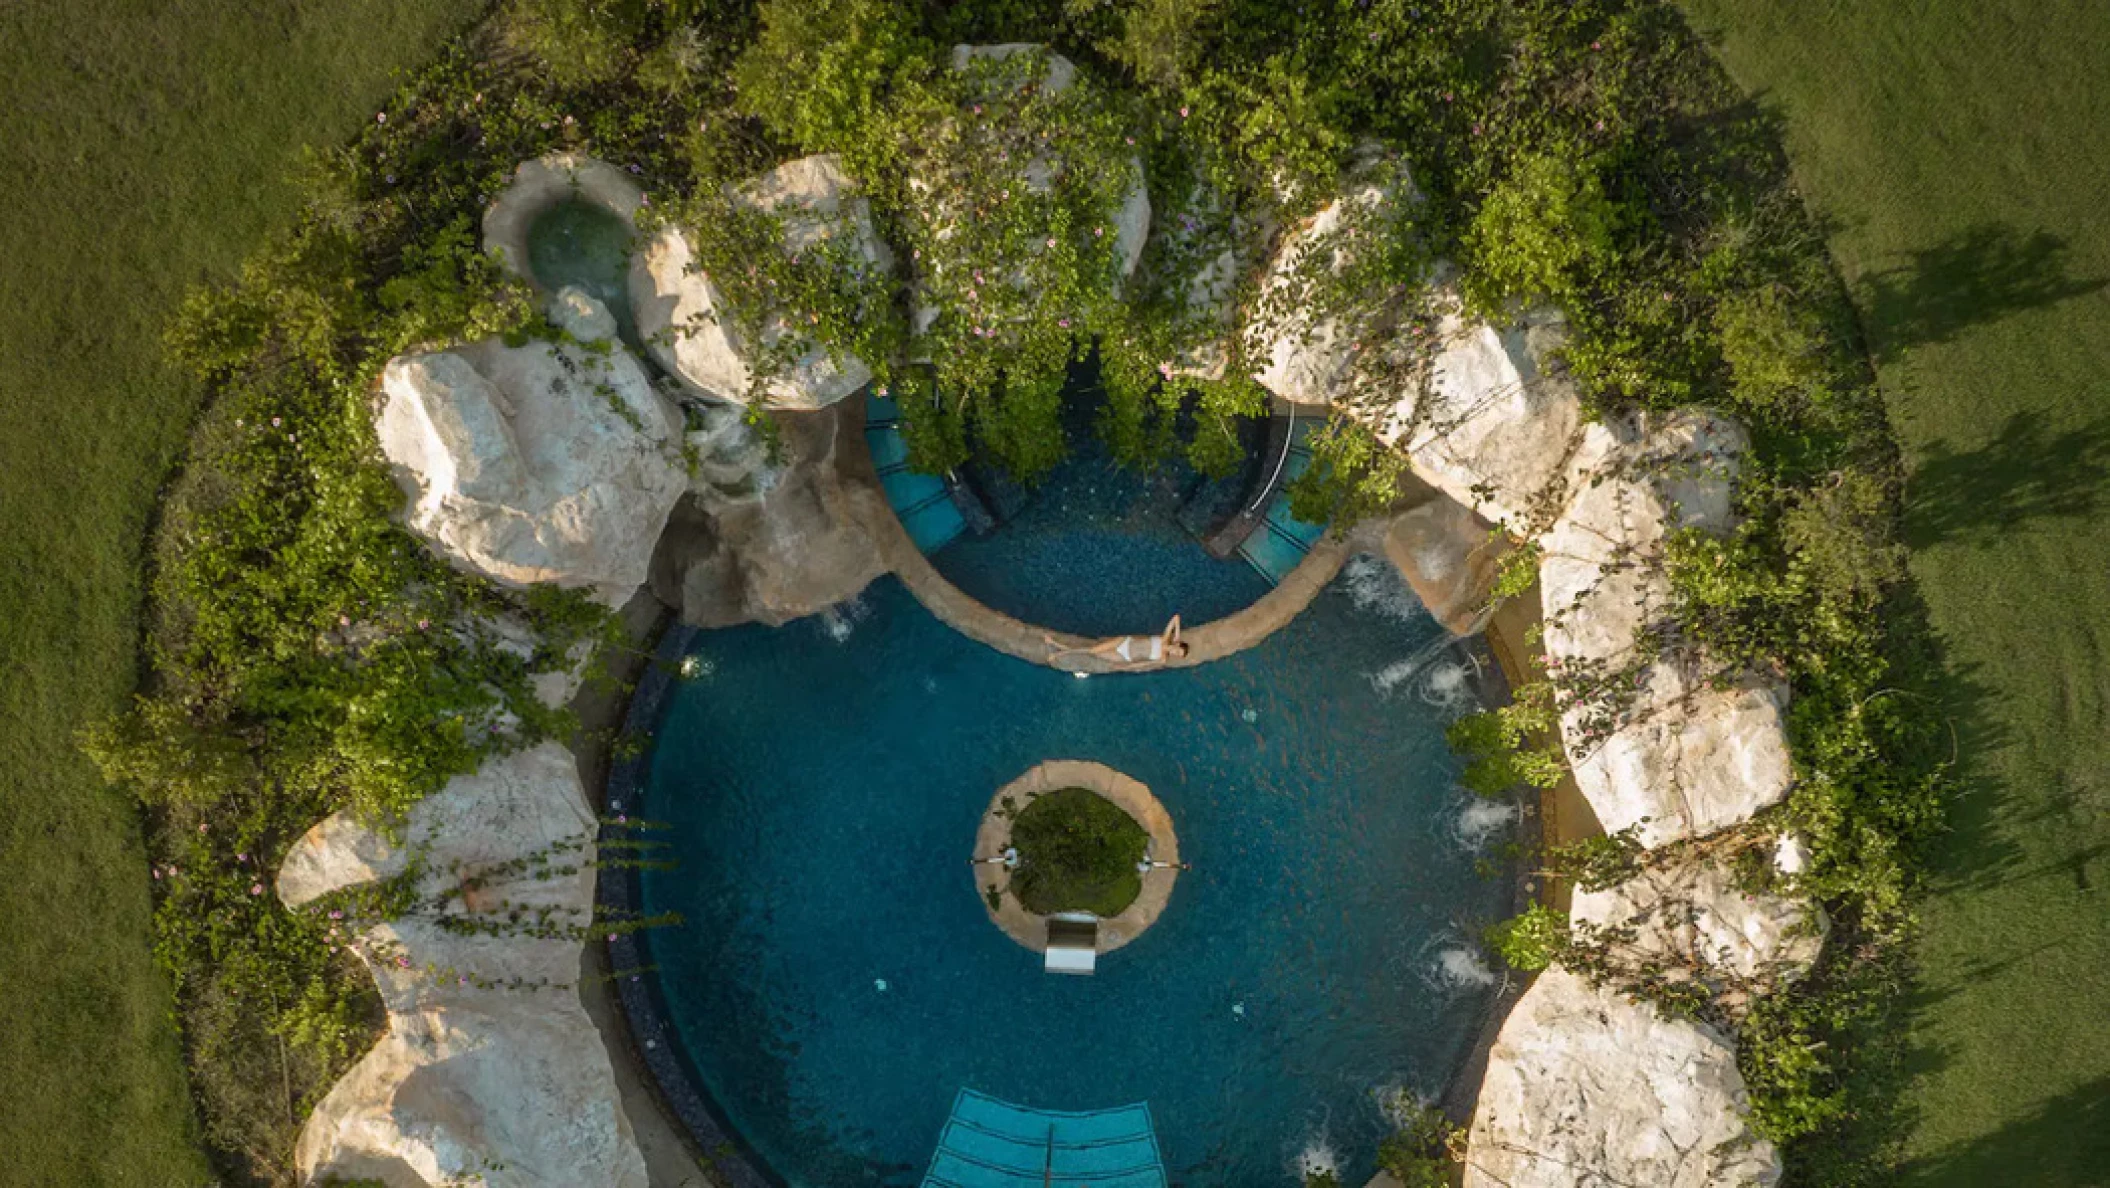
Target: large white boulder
(676,304)
(1587,1090)
(1693,916)
(1497,418)
(1299,350)
(545,182)
(1674,750)
(544,462)
(491,1071)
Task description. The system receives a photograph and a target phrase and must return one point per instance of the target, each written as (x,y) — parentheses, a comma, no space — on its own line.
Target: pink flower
(1597,45)
(274,422)
(256,888)
(424,623)
(1051,241)
(1063,322)
(202,827)
(338,915)
(611,936)
(380,117)
(1183,113)
(1129,139)
(1098,231)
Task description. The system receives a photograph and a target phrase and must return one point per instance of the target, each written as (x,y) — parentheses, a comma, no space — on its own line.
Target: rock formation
(545,182)
(475,1081)
(1449,558)
(1495,423)
(676,304)
(1679,754)
(1693,918)
(544,462)
(1584,1088)
(796,547)
(1307,358)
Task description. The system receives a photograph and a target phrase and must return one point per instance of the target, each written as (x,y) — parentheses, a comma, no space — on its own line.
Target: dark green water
(584,244)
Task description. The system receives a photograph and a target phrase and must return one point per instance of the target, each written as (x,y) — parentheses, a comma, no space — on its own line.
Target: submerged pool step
(922,502)
(989,1143)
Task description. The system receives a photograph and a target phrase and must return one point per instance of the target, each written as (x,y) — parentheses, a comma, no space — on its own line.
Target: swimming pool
(836,980)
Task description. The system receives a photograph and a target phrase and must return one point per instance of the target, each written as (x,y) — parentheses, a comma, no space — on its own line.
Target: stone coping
(725,1158)
(1206,642)
(1129,795)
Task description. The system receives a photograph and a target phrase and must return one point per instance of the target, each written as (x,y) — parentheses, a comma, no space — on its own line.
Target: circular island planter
(993,879)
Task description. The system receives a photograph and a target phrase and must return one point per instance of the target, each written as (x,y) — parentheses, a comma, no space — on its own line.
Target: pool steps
(988,1143)
(929,506)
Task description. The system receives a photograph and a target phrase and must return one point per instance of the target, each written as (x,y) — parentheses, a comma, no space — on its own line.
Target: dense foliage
(1077,852)
(309,656)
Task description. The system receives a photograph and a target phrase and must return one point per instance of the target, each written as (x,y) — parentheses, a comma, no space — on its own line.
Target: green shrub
(1532,940)
(819,72)
(1077,851)
(1540,236)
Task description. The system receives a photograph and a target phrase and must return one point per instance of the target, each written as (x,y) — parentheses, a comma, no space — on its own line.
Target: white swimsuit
(1124,649)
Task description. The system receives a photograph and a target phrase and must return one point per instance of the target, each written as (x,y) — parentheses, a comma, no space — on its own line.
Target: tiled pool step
(1280,540)
(988,1143)
(924,502)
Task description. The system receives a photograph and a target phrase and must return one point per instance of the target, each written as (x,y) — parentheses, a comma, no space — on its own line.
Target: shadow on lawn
(2026,473)
(1978,275)
(2064,1144)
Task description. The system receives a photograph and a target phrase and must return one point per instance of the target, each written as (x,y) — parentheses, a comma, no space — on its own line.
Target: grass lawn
(147,148)
(1962,148)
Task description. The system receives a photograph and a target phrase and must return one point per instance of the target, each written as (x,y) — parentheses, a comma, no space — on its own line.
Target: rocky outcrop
(544,462)
(1676,752)
(676,304)
(1303,356)
(796,547)
(1586,1088)
(1692,920)
(545,182)
(491,1072)
(1449,558)
(1495,423)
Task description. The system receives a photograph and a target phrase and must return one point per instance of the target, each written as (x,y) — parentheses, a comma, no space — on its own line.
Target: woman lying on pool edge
(1136,653)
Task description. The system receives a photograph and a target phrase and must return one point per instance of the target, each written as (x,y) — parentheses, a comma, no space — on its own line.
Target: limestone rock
(1449,558)
(1587,1090)
(475,1082)
(1684,758)
(1677,753)
(536,463)
(797,547)
(1297,356)
(1497,419)
(675,304)
(1694,916)
(545,182)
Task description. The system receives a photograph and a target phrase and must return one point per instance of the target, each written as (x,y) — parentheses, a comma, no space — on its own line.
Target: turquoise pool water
(836,981)
(584,244)
(1101,549)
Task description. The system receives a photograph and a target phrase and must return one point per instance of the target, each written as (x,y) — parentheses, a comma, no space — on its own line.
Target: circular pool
(835,983)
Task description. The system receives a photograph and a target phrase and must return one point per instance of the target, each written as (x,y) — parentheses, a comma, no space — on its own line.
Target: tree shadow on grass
(2065,1143)
(2028,472)
(1978,275)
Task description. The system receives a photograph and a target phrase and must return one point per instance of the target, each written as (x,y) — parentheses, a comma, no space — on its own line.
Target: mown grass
(1958,148)
(147,148)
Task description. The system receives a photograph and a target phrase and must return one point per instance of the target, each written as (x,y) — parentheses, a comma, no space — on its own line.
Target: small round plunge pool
(836,980)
